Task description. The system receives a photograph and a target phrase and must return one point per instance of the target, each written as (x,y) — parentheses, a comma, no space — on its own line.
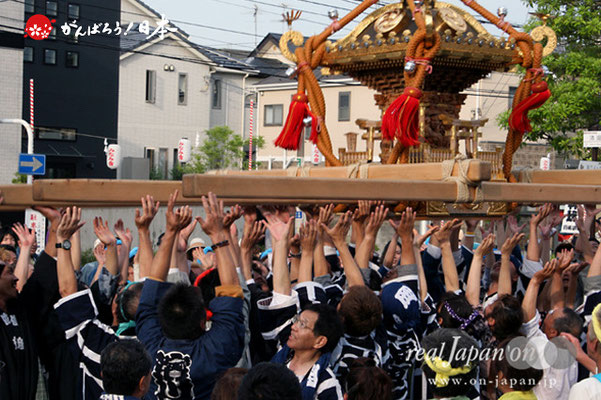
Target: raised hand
(486,246)
(511,242)
(52,214)
(308,235)
(340,230)
(26,236)
(512,225)
(69,223)
(123,233)
(207,260)
(102,231)
(376,219)
(279,229)
(250,215)
(325,215)
(149,210)
(212,224)
(232,215)
(490,229)
(362,211)
(252,235)
(542,275)
(444,234)
(543,212)
(419,240)
(565,258)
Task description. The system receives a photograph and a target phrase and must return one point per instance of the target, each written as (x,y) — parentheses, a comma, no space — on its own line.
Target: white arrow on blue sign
(32,164)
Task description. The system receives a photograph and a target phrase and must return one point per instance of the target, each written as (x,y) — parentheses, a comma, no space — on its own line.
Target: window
(216,94)
(72,59)
(163,162)
(73,10)
(274,114)
(51,8)
(511,94)
(52,34)
(151,77)
(182,89)
(344,106)
(72,38)
(50,56)
(30,6)
(176,162)
(28,54)
(150,154)
(56,133)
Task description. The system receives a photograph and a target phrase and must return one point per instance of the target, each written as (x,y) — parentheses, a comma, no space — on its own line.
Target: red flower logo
(38,27)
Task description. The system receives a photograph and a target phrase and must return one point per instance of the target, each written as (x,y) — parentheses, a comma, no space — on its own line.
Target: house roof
(155,12)
(283,79)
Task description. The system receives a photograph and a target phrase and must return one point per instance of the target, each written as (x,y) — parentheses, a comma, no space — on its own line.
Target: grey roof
(282,78)
(155,12)
(222,59)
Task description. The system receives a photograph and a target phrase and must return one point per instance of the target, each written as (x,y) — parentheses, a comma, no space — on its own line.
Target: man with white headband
(590,388)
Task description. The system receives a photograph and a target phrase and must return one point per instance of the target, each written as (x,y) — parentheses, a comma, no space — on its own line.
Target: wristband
(295,255)
(220,244)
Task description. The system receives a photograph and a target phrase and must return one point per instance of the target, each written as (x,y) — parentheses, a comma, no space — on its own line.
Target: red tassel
(518,120)
(315,128)
(290,136)
(401,119)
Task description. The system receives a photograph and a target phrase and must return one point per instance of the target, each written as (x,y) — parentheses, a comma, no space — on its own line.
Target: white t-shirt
(586,389)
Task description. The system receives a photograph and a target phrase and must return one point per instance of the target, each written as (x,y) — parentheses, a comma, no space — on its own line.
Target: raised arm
(280,233)
(373,225)
(123,252)
(470,232)
(531,295)
(76,250)
(320,265)
(179,258)
(53,216)
(557,295)
(472,292)
(338,234)
(102,231)
(585,221)
(360,214)
(143,220)
(391,250)
(176,220)
(505,286)
(26,242)
(69,224)
(212,225)
(451,279)
(308,235)
(534,249)
(229,218)
(418,242)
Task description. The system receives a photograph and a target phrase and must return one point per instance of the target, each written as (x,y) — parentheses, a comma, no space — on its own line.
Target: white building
(11,86)
(171,88)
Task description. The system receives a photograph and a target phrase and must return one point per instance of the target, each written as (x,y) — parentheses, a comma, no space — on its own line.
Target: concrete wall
(11,81)
(230,112)
(163,123)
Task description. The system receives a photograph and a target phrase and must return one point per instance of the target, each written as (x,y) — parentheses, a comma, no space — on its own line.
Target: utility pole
(255,15)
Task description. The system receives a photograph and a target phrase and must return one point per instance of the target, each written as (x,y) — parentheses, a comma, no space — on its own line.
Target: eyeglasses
(301,324)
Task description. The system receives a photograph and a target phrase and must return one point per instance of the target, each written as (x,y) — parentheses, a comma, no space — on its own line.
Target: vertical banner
(250,136)
(316,155)
(36,221)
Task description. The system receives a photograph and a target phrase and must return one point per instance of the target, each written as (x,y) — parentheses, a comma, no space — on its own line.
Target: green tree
(575,79)
(221,149)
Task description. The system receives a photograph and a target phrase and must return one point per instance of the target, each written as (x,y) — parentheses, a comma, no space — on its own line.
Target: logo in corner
(38,27)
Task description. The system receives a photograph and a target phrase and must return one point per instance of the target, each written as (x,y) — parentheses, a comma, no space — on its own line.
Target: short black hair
(123,363)
(563,246)
(508,316)
(8,231)
(181,311)
(129,298)
(328,324)
(445,343)
(366,381)
(270,381)
(570,322)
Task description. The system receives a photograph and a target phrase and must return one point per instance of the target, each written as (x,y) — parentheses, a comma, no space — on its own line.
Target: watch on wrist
(66,245)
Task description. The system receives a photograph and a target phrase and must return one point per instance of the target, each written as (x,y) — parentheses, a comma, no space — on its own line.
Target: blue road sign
(32,164)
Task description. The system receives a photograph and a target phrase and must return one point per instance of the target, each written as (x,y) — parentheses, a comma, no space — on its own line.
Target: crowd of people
(311,310)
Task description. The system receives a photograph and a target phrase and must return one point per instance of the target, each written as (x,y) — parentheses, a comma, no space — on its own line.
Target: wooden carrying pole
(351,190)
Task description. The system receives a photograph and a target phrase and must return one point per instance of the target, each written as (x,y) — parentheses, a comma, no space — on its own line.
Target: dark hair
(227,386)
(328,324)
(522,379)
(9,231)
(360,310)
(128,301)
(123,363)
(508,316)
(385,250)
(365,381)
(181,312)
(8,247)
(445,343)
(459,306)
(563,246)
(570,322)
(269,381)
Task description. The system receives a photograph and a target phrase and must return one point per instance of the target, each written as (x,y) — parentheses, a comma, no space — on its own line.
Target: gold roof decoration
(378,44)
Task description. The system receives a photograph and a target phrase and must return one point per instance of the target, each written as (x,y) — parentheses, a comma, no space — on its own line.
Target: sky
(231,23)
